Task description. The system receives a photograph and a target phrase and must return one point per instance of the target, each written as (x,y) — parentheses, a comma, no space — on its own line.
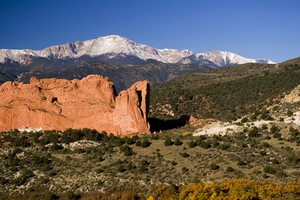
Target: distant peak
(113,37)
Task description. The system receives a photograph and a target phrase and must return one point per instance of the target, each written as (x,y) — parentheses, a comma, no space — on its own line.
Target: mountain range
(110,56)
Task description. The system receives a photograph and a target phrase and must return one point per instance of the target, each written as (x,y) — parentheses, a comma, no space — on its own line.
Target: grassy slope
(106,167)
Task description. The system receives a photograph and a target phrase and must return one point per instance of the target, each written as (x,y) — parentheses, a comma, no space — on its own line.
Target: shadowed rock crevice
(160,124)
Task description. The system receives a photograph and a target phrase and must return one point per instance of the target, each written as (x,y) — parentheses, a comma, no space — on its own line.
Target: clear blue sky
(252,28)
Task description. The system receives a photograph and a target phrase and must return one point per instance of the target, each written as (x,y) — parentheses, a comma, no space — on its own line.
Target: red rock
(88,103)
(200,122)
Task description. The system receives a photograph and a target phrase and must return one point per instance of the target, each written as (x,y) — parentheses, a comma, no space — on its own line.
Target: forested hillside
(226,93)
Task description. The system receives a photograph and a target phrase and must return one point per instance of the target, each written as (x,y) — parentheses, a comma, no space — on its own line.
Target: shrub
(269,170)
(143,165)
(129,141)
(241,163)
(184,169)
(185,155)
(281,119)
(168,142)
(275,161)
(126,150)
(192,144)
(264,127)
(289,113)
(229,169)
(204,144)
(56,146)
(294,132)
(266,145)
(99,170)
(177,142)
(3,181)
(145,143)
(224,146)
(214,166)
(130,166)
(277,135)
(21,142)
(138,143)
(274,129)
(244,120)
(119,142)
(121,168)
(254,132)
(281,174)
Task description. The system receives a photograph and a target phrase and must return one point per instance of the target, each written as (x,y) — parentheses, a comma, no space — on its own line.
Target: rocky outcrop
(200,122)
(293,96)
(88,103)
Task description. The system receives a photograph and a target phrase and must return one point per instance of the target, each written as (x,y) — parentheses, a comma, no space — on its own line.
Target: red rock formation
(88,103)
(200,122)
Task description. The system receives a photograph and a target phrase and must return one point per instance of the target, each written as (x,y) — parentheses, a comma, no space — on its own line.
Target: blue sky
(252,28)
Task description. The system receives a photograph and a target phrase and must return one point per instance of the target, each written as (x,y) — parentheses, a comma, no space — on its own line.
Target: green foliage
(129,140)
(294,135)
(121,168)
(185,155)
(145,143)
(178,142)
(143,165)
(289,113)
(3,180)
(244,120)
(56,146)
(254,132)
(168,142)
(274,129)
(214,166)
(241,163)
(126,150)
(99,170)
(138,143)
(269,170)
(229,169)
(184,170)
(203,144)
(192,144)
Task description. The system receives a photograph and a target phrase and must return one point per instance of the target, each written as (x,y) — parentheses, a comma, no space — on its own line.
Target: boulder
(58,104)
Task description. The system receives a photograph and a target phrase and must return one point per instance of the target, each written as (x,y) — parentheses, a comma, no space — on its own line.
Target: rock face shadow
(160,124)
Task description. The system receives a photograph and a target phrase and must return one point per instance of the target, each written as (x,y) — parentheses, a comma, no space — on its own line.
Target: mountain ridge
(113,46)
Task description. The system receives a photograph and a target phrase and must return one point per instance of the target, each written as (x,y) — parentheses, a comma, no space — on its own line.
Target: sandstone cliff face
(88,103)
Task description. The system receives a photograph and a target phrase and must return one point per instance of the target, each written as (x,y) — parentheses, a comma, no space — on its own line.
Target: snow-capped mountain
(114,46)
